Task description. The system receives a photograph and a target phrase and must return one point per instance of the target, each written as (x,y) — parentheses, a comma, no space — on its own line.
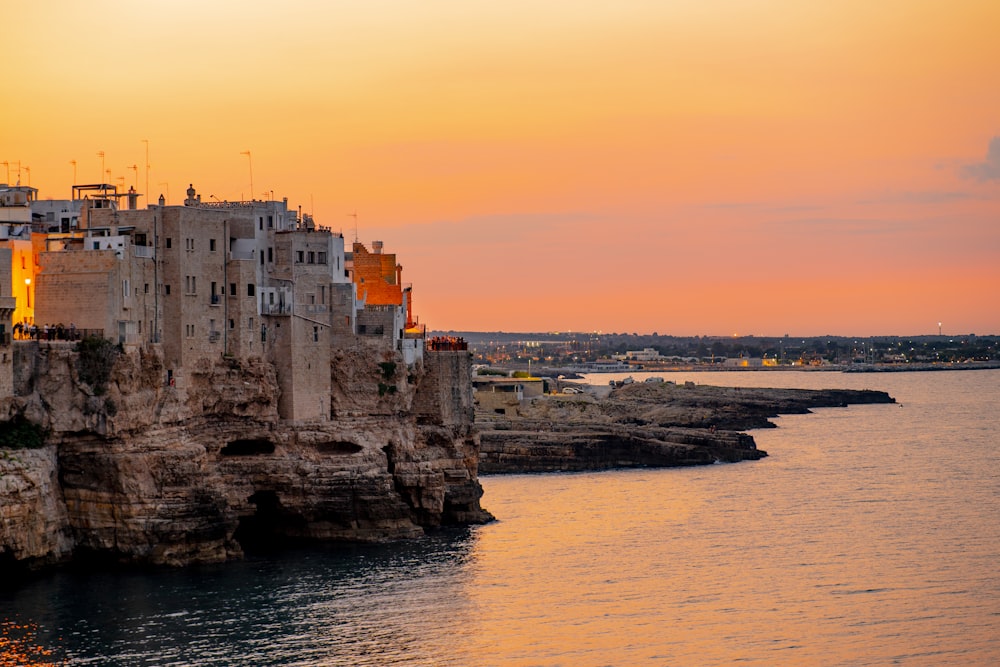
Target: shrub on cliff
(19,433)
(96,359)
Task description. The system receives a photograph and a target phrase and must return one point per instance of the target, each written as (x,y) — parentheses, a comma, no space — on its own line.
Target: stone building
(235,280)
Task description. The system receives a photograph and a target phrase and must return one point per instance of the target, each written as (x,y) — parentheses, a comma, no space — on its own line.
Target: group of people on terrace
(447,344)
(31,331)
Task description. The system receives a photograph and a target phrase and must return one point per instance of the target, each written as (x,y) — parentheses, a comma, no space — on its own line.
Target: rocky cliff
(142,470)
(644,425)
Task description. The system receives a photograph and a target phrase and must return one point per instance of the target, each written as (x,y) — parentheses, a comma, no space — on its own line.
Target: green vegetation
(388,369)
(491,371)
(19,433)
(384,389)
(96,359)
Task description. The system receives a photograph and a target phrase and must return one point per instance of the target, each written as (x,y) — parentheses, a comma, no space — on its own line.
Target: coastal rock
(644,425)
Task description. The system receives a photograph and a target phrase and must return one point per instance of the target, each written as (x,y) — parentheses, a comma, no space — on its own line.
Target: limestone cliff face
(153,472)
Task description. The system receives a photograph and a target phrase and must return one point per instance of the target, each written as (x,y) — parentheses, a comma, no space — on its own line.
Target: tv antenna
(355,216)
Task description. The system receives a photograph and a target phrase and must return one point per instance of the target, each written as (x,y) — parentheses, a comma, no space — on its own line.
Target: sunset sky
(685,167)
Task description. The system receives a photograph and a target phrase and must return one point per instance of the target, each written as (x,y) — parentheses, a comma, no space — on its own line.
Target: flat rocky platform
(644,425)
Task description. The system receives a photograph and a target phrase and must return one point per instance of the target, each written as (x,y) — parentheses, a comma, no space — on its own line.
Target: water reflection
(335,605)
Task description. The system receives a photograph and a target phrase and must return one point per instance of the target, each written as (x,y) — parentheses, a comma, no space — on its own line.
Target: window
(145,288)
(232,324)
(262,259)
(166,290)
(250,290)
(189,330)
(311,299)
(298,256)
(190,284)
(260,223)
(189,244)
(315,334)
(270,222)
(321,257)
(169,242)
(211,245)
(250,323)
(270,298)
(312,257)
(322,293)
(270,254)
(232,289)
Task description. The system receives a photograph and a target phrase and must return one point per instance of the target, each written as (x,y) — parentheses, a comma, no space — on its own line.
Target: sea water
(869,536)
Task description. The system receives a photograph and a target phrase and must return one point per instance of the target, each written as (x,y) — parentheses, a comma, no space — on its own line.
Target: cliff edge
(136,468)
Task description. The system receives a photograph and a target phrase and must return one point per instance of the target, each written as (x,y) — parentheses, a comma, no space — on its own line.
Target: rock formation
(644,424)
(150,471)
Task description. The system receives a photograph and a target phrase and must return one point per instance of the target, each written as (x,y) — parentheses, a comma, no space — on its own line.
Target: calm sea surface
(870,536)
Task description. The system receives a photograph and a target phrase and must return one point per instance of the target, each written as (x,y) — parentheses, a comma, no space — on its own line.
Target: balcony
(275,309)
(145,251)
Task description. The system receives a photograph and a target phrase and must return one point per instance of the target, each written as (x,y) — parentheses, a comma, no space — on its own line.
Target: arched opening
(269,520)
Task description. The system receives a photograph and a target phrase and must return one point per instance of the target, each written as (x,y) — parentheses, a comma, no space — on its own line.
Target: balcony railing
(145,251)
(276,309)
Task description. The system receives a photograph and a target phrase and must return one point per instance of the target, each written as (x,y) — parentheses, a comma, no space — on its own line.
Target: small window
(166,290)
(312,257)
(250,289)
(315,334)
(232,289)
(270,222)
(232,324)
(145,288)
(260,222)
(211,245)
(169,242)
(321,257)
(298,256)
(270,254)
(262,259)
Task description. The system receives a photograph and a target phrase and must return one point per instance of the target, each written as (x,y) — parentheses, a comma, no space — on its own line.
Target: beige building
(209,281)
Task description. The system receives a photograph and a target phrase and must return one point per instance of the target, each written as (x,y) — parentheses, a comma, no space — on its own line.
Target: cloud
(988,170)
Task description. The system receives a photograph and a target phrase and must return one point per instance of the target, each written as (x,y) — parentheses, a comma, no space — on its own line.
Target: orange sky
(680,167)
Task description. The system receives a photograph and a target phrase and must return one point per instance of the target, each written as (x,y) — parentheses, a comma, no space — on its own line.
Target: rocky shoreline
(644,425)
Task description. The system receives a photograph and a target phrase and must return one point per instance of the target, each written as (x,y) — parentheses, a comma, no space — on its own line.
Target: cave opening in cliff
(270,520)
(339,447)
(248,447)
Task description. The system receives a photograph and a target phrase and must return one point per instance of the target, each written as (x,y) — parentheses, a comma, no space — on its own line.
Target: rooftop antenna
(355,216)
(100,154)
(134,168)
(146,141)
(250,160)
(73,162)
